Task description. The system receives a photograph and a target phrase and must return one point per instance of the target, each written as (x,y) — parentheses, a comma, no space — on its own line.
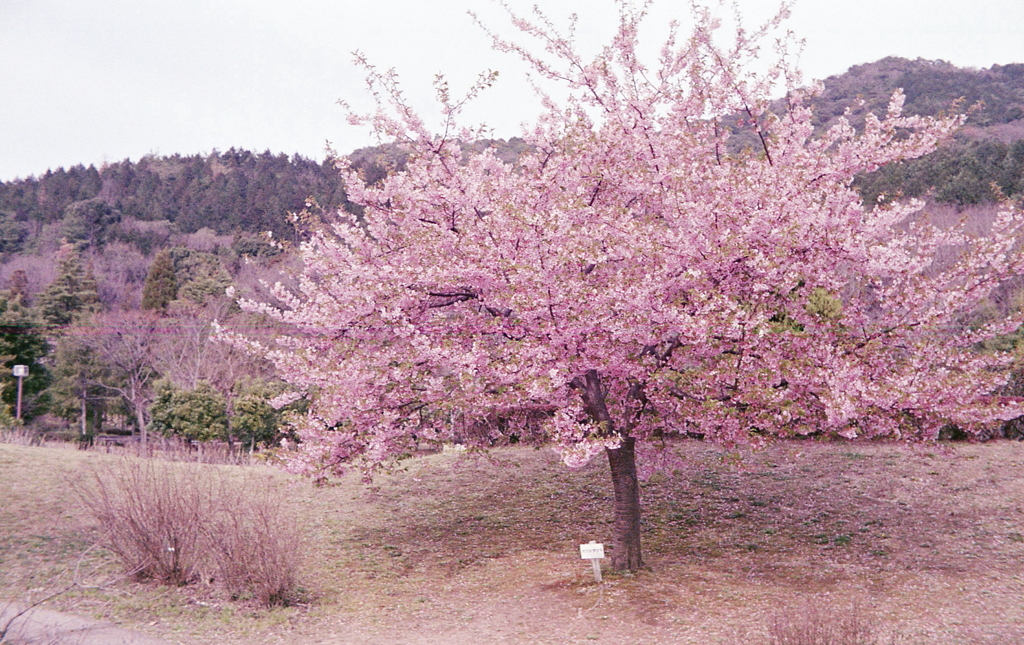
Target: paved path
(44,627)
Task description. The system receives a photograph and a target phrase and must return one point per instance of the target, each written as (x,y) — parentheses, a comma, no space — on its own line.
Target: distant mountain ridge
(931,87)
(230,192)
(985,160)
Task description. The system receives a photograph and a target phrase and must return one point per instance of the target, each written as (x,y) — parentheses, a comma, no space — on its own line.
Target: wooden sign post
(593,551)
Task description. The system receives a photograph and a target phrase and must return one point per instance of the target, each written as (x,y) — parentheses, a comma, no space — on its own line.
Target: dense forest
(228,192)
(112,277)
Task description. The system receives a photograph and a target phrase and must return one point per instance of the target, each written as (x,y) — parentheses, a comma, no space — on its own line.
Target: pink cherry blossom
(636,276)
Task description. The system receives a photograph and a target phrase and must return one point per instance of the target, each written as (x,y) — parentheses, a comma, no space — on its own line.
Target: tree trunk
(140,418)
(626,539)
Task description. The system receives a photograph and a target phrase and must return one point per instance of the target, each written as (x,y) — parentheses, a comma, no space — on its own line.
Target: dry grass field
(926,544)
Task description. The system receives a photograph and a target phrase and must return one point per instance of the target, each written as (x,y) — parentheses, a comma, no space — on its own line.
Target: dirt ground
(925,544)
(23,625)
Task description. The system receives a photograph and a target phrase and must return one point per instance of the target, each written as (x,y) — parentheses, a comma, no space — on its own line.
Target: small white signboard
(21,370)
(593,551)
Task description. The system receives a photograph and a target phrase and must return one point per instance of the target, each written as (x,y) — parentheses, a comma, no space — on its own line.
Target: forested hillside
(995,96)
(228,192)
(111,277)
(983,163)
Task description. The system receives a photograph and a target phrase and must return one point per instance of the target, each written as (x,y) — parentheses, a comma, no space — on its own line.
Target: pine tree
(72,294)
(77,391)
(22,343)
(161,284)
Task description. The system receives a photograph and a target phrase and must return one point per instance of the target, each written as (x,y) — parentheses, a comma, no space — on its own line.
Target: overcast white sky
(88,81)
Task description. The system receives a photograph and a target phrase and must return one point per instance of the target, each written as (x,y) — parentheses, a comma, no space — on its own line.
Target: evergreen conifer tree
(161,284)
(72,294)
(22,343)
(77,391)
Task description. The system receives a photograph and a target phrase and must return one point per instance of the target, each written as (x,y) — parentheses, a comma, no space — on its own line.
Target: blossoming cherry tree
(637,275)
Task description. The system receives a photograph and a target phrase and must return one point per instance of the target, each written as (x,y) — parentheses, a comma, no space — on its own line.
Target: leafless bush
(205,240)
(21,436)
(812,625)
(257,548)
(179,523)
(153,516)
(178,449)
(40,271)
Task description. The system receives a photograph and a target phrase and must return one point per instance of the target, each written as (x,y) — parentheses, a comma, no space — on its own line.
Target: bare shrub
(120,271)
(21,436)
(153,515)
(257,548)
(812,625)
(179,523)
(178,449)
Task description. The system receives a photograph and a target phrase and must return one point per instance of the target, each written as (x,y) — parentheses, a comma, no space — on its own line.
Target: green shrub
(199,414)
(254,421)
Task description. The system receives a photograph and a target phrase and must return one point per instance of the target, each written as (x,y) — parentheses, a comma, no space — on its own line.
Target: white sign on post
(593,551)
(21,371)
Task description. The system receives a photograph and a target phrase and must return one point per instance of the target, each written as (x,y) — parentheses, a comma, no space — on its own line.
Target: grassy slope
(475,551)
